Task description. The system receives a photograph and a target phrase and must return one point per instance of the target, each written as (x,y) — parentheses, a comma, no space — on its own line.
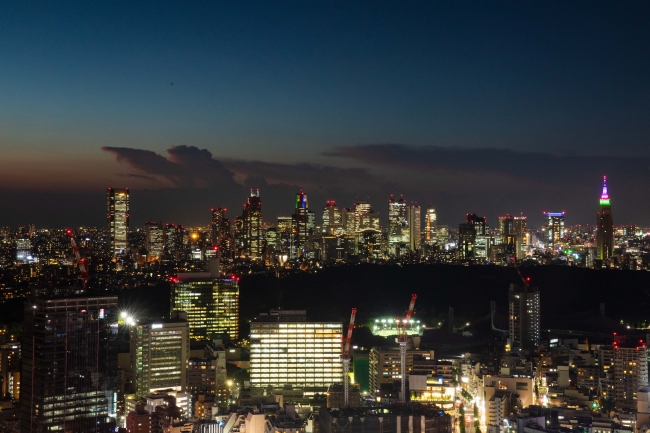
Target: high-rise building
(521,236)
(211,304)
(10,370)
(173,238)
(430,226)
(524,319)
(442,237)
(553,229)
(347,219)
(286,349)
(605,233)
(414,226)
(398,231)
(332,222)
(470,234)
(154,240)
(369,221)
(117,207)
(69,371)
(625,366)
(253,241)
(301,219)
(23,248)
(361,207)
(159,354)
(220,233)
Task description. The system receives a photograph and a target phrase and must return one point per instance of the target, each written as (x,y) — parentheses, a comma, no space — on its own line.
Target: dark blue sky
(525,102)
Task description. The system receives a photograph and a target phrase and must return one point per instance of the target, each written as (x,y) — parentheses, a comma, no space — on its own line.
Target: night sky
(486,107)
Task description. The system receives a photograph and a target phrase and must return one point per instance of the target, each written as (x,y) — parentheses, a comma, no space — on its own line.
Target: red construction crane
(402,325)
(346,359)
(83,271)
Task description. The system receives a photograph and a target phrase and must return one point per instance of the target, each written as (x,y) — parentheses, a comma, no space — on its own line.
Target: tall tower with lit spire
(605,234)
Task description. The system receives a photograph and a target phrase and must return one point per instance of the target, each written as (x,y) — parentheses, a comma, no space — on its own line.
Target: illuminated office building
(23,248)
(361,207)
(303,222)
(69,365)
(154,240)
(398,231)
(117,207)
(173,237)
(430,226)
(553,229)
(347,218)
(287,235)
(470,235)
(524,318)
(286,349)
(211,304)
(332,222)
(442,237)
(521,236)
(159,354)
(369,221)
(414,226)
(10,370)
(253,241)
(605,233)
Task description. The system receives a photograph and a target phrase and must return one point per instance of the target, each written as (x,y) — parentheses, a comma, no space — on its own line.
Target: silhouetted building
(154,240)
(524,330)
(69,373)
(252,226)
(605,233)
(553,229)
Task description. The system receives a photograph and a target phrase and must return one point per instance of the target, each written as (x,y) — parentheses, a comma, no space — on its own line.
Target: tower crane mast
(402,324)
(83,271)
(346,359)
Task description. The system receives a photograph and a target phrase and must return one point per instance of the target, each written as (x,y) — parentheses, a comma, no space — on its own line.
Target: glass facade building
(286,349)
(211,304)
(117,206)
(69,365)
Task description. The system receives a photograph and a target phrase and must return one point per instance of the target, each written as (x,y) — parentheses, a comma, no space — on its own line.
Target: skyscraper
(220,235)
(304,222)
(553,229)
(521,236)
(605,234)
(286,349)
(117,207)
(524,319)
(414,226)
(160,351)
(430,226)
(331,218)
(398,233)
(361,207)
(69,373)
(211,304)
(469,233)
(252,226)
(154,240)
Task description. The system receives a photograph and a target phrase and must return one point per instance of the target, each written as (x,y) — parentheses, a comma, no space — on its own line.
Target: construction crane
(346,360)
(402,325)
(83,271)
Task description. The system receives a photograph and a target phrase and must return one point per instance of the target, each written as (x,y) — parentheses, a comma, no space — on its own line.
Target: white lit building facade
(285,349)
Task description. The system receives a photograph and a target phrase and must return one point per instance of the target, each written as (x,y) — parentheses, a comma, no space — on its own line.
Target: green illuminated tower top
(604,197)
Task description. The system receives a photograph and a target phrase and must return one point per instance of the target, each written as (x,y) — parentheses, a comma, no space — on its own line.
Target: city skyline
(492,109)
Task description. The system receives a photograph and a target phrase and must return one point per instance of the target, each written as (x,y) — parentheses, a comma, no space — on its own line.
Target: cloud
(187,166)
(527,165)
(138,176)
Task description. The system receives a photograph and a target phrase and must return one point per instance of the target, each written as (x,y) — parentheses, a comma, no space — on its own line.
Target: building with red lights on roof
(624,366)
(210,301)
